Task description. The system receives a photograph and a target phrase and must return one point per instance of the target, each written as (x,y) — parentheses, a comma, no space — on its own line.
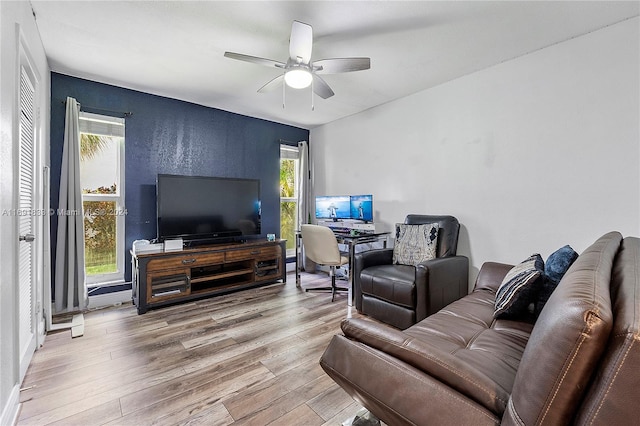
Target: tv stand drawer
(252,253)
(180,261)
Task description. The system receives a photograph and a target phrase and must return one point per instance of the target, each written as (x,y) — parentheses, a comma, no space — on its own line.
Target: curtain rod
(125,113)
(286,141)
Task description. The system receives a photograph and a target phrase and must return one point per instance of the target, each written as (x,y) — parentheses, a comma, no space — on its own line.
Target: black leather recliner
(402,295)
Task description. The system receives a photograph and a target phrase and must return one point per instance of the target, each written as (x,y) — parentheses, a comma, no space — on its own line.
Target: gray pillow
(415,243)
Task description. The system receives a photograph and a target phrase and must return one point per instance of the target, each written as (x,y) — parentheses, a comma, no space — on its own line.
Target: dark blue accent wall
(166,135)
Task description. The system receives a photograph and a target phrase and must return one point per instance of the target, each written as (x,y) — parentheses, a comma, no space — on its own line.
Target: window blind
(101,125)
(288,152)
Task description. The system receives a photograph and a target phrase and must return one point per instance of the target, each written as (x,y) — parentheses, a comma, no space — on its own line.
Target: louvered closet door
(26,222)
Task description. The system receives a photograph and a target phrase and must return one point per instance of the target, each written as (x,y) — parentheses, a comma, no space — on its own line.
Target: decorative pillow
(519,288)
(559,262)
(415,243)
(555,267)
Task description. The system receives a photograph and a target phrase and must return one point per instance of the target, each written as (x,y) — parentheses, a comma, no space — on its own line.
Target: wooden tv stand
(164,277)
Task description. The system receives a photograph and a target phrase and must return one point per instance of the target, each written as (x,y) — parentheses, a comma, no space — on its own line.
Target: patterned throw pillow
(415,243)
(519,288)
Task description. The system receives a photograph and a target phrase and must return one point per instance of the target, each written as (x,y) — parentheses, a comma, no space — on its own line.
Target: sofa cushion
(567,341)
(396,392)
(461,345)
(415,243)
(519,288)
(612,398)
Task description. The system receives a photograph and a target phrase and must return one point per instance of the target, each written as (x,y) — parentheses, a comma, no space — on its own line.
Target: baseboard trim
(109,299)
(11,410)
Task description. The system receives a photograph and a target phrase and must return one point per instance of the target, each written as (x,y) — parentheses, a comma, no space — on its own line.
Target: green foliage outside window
(288,213)
(99,217)
(100,233)
(91,145)
(99,237)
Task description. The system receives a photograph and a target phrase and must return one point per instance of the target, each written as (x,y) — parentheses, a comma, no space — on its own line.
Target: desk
(351,241)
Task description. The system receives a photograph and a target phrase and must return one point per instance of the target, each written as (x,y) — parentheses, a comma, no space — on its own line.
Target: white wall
(17,26)
(529,155)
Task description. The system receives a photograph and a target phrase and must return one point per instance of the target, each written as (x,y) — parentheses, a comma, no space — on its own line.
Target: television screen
(201,208)
(362,207)
(333,207)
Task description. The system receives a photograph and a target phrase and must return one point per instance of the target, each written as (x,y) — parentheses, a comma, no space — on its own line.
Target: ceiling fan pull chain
(313,108)
(284,89)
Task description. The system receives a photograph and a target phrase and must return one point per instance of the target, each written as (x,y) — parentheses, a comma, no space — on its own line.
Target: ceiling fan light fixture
(299,71)
(298,78)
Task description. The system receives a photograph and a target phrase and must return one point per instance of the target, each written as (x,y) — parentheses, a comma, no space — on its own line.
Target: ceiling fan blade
(254,59)
(339,65)
(321,88)
(273,84)
(300,43)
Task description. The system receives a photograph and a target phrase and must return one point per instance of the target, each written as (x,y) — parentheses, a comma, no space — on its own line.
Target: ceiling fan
(299,71)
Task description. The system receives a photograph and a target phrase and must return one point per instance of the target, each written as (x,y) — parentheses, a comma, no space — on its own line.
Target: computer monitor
(362,207)
(333,207)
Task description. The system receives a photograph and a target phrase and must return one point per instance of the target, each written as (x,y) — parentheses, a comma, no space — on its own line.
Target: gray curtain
(70,291)
(304,184)
(304,194)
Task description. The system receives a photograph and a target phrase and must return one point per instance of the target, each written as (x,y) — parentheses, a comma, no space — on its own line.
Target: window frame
(291,152)
(116,277)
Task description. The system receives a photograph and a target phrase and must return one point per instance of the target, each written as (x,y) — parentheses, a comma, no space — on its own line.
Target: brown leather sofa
(578,363)
(401,295)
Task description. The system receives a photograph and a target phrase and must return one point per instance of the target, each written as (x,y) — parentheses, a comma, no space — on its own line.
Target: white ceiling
(175,48)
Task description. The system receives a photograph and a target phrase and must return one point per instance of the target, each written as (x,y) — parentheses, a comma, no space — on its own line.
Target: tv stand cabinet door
(268,268)
(168,285)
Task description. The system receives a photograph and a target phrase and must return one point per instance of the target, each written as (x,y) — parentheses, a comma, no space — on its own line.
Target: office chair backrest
(320,244)
(448,231)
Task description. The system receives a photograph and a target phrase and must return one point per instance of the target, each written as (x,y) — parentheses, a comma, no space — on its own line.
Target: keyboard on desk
(350,233)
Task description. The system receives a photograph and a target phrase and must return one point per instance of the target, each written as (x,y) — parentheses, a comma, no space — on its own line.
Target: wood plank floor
(247,358)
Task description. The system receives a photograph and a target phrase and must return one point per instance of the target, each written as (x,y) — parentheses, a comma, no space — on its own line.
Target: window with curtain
(102,181)
(289,195)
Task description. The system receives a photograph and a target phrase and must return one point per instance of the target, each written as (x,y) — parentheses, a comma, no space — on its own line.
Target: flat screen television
(333,207)
(362,207)
(200,208)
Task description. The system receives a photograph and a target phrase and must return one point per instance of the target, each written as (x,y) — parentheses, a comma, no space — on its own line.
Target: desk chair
(321,246)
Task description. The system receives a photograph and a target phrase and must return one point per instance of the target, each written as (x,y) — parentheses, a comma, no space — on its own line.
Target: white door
(27,214)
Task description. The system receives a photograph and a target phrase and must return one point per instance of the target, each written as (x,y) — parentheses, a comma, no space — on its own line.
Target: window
(102,181)
(288,195)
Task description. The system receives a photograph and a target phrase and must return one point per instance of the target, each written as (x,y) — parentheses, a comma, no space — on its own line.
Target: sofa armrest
(491,275)
(364,260)
(439,282)
(437,363)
